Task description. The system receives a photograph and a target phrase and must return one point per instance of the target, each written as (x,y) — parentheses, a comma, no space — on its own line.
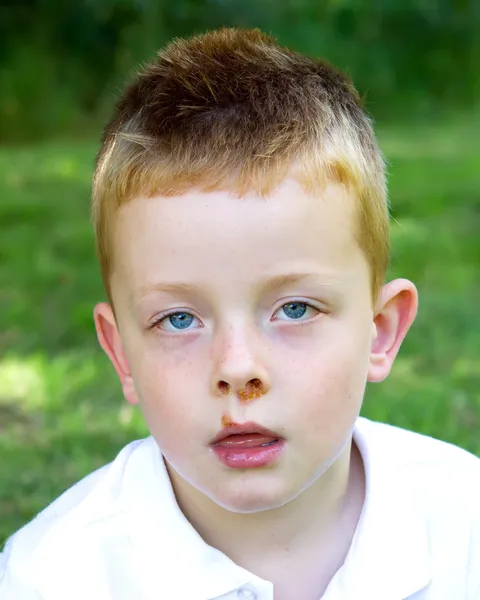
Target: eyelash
(156,323)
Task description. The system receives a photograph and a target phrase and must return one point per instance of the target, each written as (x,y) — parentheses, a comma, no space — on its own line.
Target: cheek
(330,377)
(165,384)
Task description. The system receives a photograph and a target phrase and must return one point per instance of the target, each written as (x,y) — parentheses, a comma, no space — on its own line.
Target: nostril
(253,390)
(224,387)
(254,385)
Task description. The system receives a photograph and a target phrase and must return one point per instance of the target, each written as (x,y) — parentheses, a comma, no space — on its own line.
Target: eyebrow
(276,282)
(280,281)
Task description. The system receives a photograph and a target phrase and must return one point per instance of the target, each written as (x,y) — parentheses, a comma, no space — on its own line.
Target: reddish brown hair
(233,110)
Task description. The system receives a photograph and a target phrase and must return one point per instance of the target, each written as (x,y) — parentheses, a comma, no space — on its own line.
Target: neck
(319,523)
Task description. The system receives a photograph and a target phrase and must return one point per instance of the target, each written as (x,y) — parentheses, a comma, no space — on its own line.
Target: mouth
(248,446)
(245,435)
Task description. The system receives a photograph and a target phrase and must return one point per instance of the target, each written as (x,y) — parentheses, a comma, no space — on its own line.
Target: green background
(61,409)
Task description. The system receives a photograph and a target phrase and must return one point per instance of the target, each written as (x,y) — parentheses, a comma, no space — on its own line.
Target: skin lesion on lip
(253,390)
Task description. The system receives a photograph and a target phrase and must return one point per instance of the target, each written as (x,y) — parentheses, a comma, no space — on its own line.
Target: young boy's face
(218,296)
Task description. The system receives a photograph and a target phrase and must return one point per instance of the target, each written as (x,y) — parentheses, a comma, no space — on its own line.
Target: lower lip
(249,458)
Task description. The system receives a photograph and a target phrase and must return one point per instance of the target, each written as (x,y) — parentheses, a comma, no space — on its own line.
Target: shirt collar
(388,558)
(162,538)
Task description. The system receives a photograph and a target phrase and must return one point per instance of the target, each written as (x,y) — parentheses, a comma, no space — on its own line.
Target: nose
(237,366)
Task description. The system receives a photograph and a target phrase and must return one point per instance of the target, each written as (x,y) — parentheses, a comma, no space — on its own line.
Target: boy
(241,219)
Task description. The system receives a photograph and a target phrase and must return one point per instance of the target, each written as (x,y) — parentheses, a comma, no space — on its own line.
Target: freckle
(253,390)
(226,421)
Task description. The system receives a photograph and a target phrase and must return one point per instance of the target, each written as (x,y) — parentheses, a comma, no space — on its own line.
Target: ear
(109,337)
(395,312)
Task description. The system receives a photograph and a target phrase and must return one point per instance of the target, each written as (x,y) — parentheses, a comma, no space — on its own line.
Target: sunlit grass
(61,409)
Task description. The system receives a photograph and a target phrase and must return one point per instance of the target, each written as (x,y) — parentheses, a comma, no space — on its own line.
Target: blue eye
(176,322)
(181,320)
(294,311)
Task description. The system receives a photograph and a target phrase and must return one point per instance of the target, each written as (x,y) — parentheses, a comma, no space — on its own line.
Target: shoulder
(441,481)
(404,448)
(441,478)
(424,464)
(436,486)
(95,497)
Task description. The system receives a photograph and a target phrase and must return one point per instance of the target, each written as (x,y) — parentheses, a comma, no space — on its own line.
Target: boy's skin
(280,522)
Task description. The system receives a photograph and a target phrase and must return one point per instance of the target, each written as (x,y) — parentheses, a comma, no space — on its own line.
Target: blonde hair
(232,109)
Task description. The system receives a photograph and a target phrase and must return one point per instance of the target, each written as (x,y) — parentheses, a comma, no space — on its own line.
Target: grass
(61,408)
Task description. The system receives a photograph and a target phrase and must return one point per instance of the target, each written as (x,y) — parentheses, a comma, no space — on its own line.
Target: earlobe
(111,342)
(395,313)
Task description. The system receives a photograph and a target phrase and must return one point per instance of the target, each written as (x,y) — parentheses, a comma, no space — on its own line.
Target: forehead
(215,234)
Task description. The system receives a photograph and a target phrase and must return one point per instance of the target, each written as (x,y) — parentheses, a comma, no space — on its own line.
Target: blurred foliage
(62,62)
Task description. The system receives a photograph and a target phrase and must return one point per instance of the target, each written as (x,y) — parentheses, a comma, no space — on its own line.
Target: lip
(242,428)
(239,454)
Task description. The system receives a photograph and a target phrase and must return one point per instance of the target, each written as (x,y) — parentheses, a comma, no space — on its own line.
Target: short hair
(232,109)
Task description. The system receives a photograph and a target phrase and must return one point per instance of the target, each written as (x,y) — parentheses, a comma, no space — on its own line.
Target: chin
(251,497)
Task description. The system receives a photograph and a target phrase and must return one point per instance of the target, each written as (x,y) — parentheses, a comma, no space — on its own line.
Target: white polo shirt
(120,535)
